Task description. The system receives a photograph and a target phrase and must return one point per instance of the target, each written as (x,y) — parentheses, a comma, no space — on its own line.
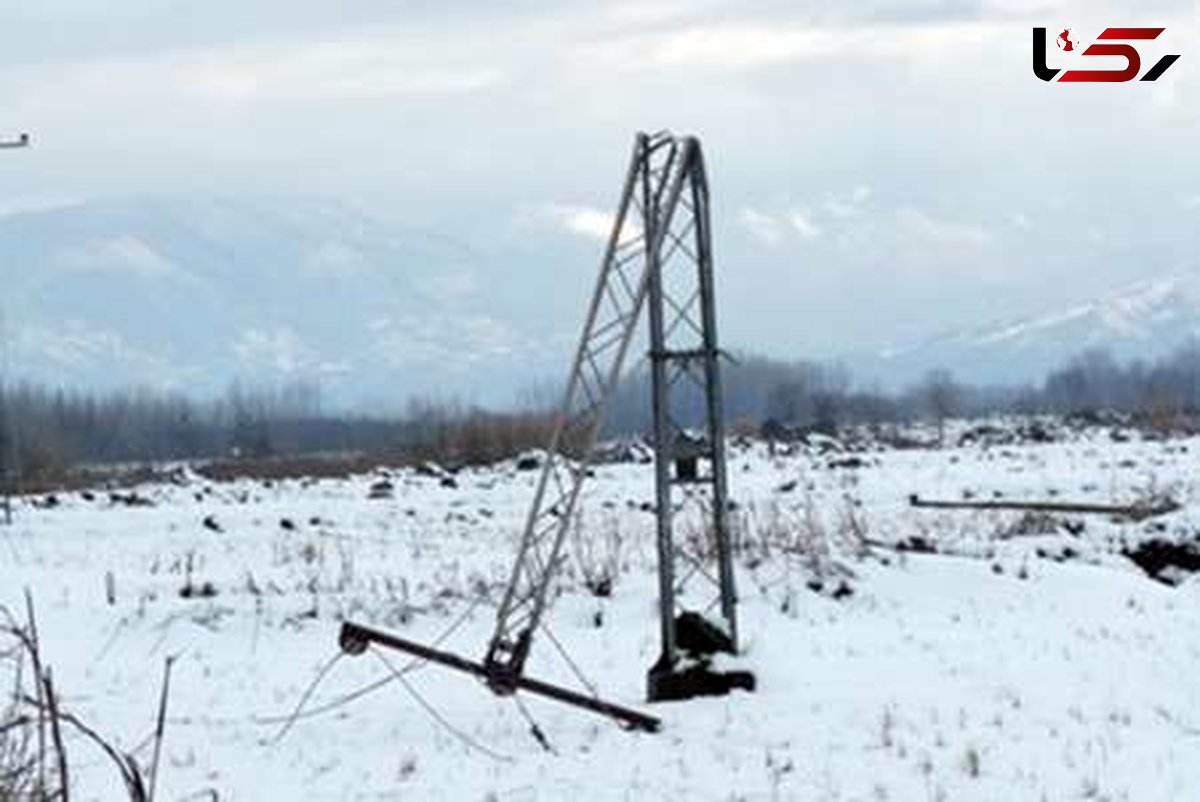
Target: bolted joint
(353,640)
(505,663)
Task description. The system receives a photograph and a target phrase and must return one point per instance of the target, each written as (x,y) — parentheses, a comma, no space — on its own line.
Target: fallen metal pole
(355,638)
(1136,512)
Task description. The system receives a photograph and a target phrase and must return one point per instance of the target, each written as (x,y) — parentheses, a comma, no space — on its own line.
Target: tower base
(691,674)
(673,683)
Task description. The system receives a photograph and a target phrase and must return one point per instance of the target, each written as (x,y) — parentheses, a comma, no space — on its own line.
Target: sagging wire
(571,664)
(437,716)
(304,697)
(299,712)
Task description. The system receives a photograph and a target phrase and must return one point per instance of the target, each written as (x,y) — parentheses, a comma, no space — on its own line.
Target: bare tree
(941,396)
(787,398)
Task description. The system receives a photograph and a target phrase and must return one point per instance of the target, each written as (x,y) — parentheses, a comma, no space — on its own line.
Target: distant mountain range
(1141,320)
(193,294)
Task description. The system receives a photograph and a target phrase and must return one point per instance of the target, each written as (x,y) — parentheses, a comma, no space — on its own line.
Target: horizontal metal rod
(355,638)
(1133,511)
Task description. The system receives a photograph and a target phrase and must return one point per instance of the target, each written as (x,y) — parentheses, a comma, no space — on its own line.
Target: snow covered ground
(1025,659)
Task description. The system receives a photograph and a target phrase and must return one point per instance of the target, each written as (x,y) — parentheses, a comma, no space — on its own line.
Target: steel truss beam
(653,184)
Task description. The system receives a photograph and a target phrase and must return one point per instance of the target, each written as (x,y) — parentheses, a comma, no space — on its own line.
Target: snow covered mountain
(1141,320)
(192,294)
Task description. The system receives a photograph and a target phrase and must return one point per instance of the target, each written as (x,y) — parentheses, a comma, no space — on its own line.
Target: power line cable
(436,715)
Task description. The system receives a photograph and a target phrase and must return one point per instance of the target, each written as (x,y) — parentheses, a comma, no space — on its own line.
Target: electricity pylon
(8,441)
(660,251)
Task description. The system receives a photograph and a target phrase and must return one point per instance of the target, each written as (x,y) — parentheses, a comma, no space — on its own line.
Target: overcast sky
(881,170)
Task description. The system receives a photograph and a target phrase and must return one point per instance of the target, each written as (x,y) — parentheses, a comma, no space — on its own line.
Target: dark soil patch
(1166,561)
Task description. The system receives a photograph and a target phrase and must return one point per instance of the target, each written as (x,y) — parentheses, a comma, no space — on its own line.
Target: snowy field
(1025,659)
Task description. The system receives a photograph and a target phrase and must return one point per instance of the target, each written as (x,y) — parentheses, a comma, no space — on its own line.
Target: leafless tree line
(824,396)
(44,431)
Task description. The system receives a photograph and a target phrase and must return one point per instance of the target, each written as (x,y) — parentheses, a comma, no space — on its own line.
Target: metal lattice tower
(660,250)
